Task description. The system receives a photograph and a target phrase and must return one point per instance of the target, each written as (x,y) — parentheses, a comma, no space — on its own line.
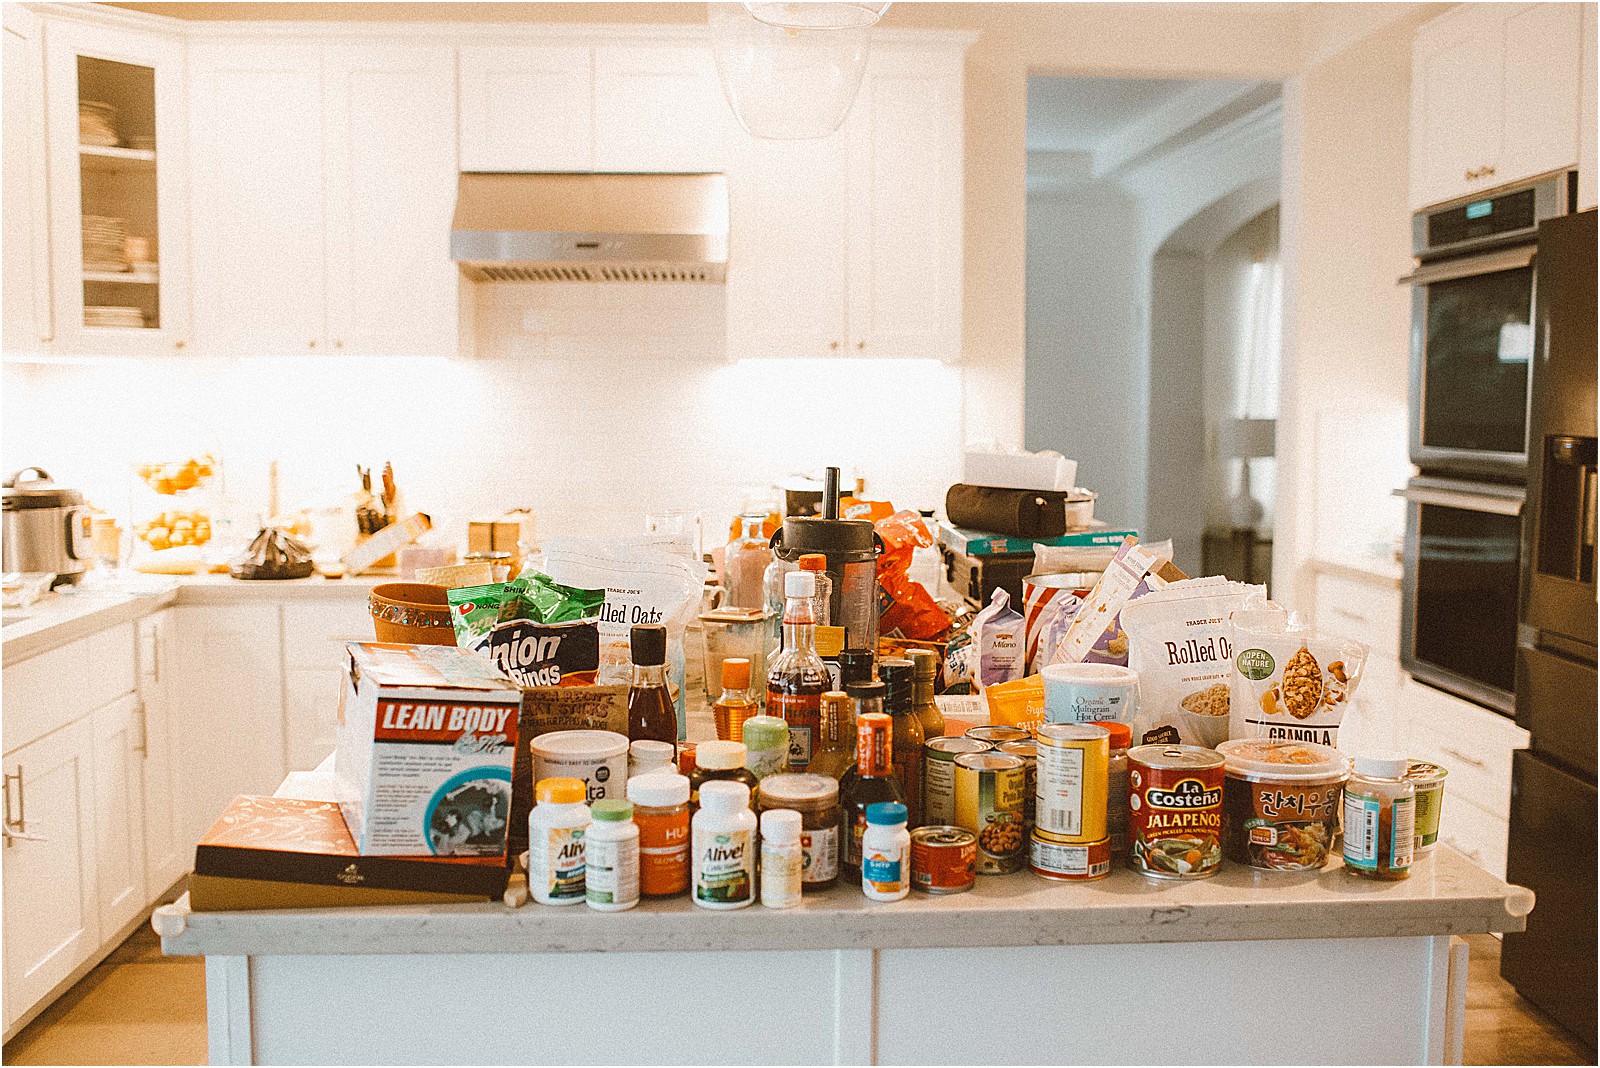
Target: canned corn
(1073,759)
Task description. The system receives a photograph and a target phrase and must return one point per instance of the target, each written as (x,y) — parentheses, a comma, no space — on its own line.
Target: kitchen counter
(850,981)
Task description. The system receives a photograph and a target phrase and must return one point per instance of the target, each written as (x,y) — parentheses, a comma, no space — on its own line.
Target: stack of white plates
(143,142)
(97,124)
(102,315)
(104,243)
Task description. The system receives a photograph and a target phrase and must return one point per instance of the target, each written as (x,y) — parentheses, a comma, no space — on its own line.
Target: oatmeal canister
(1073,764)
(1072,861)
(1174,811)
(989,795)
(1429,781)
(944,860)
(939,776)
(1280,809)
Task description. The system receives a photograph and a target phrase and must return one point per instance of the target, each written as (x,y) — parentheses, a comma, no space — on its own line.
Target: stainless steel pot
(46,527)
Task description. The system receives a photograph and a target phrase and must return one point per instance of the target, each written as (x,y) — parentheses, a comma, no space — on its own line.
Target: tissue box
(1020,470)
(427,737)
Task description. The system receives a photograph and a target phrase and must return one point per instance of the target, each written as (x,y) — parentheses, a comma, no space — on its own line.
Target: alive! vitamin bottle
(798,676)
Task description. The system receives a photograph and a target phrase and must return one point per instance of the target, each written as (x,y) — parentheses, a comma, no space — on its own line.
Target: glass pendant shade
(788,82)
(835,15)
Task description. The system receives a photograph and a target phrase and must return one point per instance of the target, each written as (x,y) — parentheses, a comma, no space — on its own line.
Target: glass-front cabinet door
(119,230)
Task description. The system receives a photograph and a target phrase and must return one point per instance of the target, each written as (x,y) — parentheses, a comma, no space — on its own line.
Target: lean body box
(426,740)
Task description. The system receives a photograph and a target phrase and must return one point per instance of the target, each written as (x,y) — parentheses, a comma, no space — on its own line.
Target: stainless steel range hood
(591,227)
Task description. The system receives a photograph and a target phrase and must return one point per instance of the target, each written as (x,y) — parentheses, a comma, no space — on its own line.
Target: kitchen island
(1246,967)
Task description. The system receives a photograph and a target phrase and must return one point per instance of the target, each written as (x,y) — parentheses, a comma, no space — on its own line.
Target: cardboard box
(427,736)
(281,852)
(509,533)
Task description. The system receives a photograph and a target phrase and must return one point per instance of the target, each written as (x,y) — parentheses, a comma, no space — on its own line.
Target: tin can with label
(1429,781)
(1028,750)
(939,776)
(1070,861)
(1175,811)
(944,860)
(1072,781)
(995,734)
(989,795)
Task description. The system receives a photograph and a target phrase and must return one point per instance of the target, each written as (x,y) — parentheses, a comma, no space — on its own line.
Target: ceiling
(1079,114)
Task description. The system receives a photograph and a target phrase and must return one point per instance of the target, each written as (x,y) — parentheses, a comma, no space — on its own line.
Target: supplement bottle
(723,847)
(556,827)
(611,857)
(766,745)
(647,755)
(737,702)
(661,812)
(1380,818)
(718,761)
(781,858)
(886,853)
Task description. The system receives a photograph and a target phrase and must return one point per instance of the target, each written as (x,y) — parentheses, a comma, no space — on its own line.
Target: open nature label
(1289,682)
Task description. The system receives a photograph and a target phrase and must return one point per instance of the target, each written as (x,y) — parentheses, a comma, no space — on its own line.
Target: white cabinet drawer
(311,712)
(1366,611)
(53,689)
(1473,744)
(314,633)
(1477,835)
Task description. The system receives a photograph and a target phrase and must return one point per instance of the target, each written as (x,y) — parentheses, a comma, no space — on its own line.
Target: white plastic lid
(653,751)
(800,584)
(659,789)
(720,756)
(780,825)
(724,796)
(1269,760)
(583,744)
(1383,766)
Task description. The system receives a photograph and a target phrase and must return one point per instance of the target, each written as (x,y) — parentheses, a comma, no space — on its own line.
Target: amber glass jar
(816,798)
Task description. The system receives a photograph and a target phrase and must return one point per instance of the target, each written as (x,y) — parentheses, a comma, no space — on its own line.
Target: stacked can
(939,776)
(1028,750)
(989,796)
(1070,839)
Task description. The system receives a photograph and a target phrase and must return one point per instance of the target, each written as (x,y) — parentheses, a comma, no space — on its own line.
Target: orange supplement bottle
(661,811)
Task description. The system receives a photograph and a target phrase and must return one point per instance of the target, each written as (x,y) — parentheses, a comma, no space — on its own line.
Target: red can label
(1175,815)
(944,860)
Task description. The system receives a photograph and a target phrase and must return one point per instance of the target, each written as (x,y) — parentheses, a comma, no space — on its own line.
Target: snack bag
(474,610)
(1289,682)
(1018,703)
(905,607)
(1180,642)
(1095,623)
(546,634)
(998,630)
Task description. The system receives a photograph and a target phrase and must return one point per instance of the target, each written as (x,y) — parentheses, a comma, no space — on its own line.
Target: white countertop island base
(1243,968)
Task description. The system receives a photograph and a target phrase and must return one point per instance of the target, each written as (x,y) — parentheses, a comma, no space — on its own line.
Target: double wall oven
(1474,334)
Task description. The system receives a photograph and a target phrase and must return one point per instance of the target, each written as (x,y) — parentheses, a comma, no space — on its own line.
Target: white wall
(604,402)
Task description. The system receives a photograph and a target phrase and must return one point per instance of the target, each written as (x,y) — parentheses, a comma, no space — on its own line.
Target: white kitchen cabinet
(314,636)
(1588,113)
(527,108)
(25,315)
(144,189)
(850,245)
(226,688)
(168,854)
(260,247)
(390,123)
(119,743)
(51,910)
(1495,97)
(658,108)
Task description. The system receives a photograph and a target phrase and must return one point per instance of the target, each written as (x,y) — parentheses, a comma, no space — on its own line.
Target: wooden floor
(142,1008)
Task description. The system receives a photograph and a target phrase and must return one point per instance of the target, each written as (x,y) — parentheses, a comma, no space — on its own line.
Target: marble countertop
(1446,894)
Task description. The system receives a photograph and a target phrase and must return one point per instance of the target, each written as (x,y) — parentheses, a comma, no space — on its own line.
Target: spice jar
(816,798)
(718,761)
(1380,818)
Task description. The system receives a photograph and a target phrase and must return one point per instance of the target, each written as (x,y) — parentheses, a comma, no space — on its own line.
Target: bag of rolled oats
(1179,642)
(1289,682)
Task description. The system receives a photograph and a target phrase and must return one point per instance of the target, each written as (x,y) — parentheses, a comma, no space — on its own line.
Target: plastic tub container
(412,613)
(599,758)
(1280,808)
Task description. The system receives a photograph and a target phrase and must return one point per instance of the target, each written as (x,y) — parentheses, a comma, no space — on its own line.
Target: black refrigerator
(1553,798)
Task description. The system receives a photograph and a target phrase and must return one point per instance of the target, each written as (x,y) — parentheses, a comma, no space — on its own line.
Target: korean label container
(939,776)
(1280,807)
(989,795)
(1069,861)
(944,860)
(1175,811)
(1429,781)
(1072,781)
(1028,750)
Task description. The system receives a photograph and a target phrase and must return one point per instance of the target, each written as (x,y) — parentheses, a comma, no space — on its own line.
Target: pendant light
(790,71)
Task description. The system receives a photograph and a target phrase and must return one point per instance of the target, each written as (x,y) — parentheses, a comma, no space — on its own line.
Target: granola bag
(1180,642)
(1289,682)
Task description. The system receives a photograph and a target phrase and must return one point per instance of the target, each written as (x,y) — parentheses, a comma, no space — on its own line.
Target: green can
(1429,782)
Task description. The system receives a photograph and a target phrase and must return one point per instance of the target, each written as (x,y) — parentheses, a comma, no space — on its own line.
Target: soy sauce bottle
(651,711)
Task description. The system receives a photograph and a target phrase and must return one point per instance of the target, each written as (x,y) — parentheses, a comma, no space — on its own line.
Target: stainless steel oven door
(1472,342)
(1458,609)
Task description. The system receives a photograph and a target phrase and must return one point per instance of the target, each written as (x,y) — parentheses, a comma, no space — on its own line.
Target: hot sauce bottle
(798,677)
(833,754)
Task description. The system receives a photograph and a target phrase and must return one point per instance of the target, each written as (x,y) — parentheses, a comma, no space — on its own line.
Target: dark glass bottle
(651,712)
(899,680)
(869,781)
(833,755)
(856,665)
(927,678)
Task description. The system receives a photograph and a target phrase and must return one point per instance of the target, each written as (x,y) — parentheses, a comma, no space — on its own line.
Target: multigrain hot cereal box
(427,735)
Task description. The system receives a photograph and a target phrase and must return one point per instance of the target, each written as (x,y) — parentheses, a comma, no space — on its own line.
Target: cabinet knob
(1488,170)
(313,344)
(861,346)
(178,344)
(338,344)
(834,345)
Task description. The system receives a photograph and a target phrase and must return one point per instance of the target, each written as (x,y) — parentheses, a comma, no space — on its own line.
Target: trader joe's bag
(1289,682)
(1180,643)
